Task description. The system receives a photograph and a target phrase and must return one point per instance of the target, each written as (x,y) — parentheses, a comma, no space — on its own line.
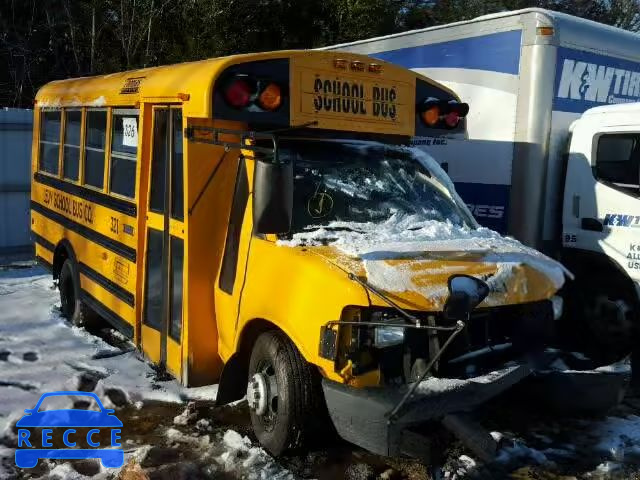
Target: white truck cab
(601,217)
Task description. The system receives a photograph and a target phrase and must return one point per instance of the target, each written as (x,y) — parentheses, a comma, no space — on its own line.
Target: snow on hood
(375,244)
(405,236)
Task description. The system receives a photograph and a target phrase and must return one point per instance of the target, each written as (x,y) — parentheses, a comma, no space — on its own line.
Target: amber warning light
(245,92)
(438,113)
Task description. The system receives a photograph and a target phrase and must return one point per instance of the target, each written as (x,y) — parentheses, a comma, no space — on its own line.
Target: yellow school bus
(224,215)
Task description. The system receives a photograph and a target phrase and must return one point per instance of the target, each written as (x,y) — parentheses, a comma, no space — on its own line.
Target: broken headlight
(388,336)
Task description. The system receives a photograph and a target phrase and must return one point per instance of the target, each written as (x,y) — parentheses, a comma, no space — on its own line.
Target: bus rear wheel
(72,308)
(283,393)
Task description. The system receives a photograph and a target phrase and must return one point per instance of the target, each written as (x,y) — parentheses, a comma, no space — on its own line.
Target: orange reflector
(270,98)
(431,116)
(184,96)
(357,66)
(340,63)
(375,68)
(544,31)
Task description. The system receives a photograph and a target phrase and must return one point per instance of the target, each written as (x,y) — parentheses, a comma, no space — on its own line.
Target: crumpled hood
(419,280)
(413,269)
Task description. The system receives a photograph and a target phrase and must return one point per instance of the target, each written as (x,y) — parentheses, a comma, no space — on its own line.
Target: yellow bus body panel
(296,289)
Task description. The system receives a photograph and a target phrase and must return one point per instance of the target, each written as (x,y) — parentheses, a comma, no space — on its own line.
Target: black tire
(299,403)
(603,335)
(72,308)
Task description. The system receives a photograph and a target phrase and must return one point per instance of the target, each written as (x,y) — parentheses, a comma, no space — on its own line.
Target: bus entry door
(162,316)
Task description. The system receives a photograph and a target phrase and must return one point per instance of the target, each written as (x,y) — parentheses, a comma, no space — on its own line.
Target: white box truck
(535,165)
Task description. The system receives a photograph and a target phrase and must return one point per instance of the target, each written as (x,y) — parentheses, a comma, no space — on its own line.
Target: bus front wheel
(73,309)
(283,393)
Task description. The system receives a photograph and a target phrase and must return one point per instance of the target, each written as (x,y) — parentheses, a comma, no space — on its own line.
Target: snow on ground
(172,432)
(41,352)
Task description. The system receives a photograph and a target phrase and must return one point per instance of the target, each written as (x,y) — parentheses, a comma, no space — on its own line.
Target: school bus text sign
(343,102)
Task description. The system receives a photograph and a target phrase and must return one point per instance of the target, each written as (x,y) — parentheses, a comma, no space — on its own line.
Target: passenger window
(159,161)
(618,161)
(177,265)
(95,140)
(124,150)
(71,148)
(177,191)
(49,141)
(154,285)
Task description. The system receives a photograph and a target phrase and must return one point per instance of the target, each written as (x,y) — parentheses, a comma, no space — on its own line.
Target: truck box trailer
(528,76)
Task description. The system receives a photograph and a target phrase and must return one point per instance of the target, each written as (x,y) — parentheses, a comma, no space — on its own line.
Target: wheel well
(233,381)
(62,252)
(595,267)
(250,334)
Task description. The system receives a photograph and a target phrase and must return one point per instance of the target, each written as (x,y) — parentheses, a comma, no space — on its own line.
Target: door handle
(592,224)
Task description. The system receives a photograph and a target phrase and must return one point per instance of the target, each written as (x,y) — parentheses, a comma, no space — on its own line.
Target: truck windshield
(342,182)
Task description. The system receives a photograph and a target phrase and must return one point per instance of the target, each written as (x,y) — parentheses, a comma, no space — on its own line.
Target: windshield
(342,183)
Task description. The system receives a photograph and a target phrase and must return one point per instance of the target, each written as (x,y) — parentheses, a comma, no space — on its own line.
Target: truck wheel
(73,309)
(283,393)
(610,322)
(609,319)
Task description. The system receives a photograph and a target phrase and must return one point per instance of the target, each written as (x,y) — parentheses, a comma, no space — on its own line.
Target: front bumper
(361,416)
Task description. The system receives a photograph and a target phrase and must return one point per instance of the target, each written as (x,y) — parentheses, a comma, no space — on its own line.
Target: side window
(177,190)
(71,148)
(618,160)
(94,142)
(230,257)
(124,150)
(49,141)
(159,160)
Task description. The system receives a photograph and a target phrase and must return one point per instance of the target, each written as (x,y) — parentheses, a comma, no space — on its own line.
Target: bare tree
(135,19)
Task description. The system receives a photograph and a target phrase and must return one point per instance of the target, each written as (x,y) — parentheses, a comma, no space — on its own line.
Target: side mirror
(465,294)
(272,197)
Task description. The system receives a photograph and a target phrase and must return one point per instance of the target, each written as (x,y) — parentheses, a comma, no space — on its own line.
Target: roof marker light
(357,66)
(544,31)
(340,63)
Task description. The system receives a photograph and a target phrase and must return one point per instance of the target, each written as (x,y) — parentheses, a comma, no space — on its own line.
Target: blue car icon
(28,453)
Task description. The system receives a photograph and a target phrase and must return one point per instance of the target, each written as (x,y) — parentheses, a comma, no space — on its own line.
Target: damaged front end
(403,368)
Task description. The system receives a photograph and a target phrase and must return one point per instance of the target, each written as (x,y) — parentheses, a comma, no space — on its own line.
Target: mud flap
(233,381)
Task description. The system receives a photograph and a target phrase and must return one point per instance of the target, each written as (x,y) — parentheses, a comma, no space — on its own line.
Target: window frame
(113,113)
(594,160)
(39,169)
(80,147)
(85,131)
